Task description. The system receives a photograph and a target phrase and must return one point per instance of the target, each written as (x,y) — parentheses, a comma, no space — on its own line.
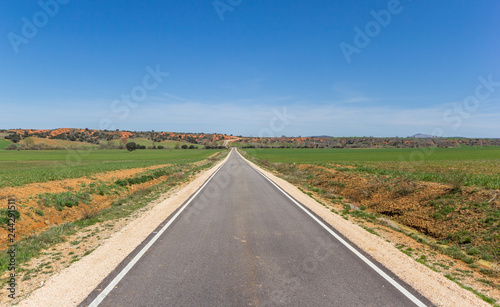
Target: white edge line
(349,246)
(129,266)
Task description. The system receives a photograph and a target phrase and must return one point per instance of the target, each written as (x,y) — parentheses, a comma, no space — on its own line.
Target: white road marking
(129,266)
(410,296)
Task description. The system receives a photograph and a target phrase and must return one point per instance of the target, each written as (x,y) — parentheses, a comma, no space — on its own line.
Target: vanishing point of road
(241,241)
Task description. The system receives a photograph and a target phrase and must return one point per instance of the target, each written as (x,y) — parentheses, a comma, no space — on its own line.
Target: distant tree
(192,147)
(160,146)
(14,137)
(184,146)
(177,145)
(131,146)
(141,146)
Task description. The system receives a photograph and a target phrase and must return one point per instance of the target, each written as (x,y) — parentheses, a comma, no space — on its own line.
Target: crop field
(474,166)
(23,167)
(309,155)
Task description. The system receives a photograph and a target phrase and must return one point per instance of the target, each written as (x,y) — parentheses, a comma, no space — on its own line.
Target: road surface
(242,242)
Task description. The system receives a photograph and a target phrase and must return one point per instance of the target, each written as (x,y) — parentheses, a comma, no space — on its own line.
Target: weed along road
(240,241)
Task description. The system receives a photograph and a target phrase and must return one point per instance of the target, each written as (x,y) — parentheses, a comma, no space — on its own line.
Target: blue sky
(253,67)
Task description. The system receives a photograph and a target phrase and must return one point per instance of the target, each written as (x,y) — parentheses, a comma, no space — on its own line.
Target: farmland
(308,155)
(475,166)
(23,167)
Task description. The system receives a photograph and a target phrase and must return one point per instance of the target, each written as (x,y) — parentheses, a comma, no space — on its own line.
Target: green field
(471,166)
(4,143)
(310,155)
(23,167)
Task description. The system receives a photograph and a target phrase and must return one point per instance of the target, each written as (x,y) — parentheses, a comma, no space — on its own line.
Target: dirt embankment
(35,216)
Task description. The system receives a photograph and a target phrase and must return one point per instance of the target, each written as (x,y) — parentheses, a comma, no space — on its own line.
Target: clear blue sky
(236,66)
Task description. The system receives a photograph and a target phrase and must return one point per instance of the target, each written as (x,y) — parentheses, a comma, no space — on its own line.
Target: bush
(11,147)
(131,146)
(184,147)
(456,180)
(121,182)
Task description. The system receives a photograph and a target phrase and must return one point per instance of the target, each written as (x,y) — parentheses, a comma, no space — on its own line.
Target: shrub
(456,180)
(131,146)
(121,182)
(11,147)
(64,199)
(4,216)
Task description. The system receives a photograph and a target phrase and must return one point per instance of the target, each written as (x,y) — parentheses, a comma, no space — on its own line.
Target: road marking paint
(394,283)
(116,280)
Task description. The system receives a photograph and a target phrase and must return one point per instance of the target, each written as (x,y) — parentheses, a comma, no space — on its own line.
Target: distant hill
(106,139)
(69,137)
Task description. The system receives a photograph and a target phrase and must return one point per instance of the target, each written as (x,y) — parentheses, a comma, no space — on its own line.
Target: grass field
(4,143)
(473,166)
(22,167)
(309,155)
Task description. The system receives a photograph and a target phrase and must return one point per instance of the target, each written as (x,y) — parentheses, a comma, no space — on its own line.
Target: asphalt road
(242,242)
